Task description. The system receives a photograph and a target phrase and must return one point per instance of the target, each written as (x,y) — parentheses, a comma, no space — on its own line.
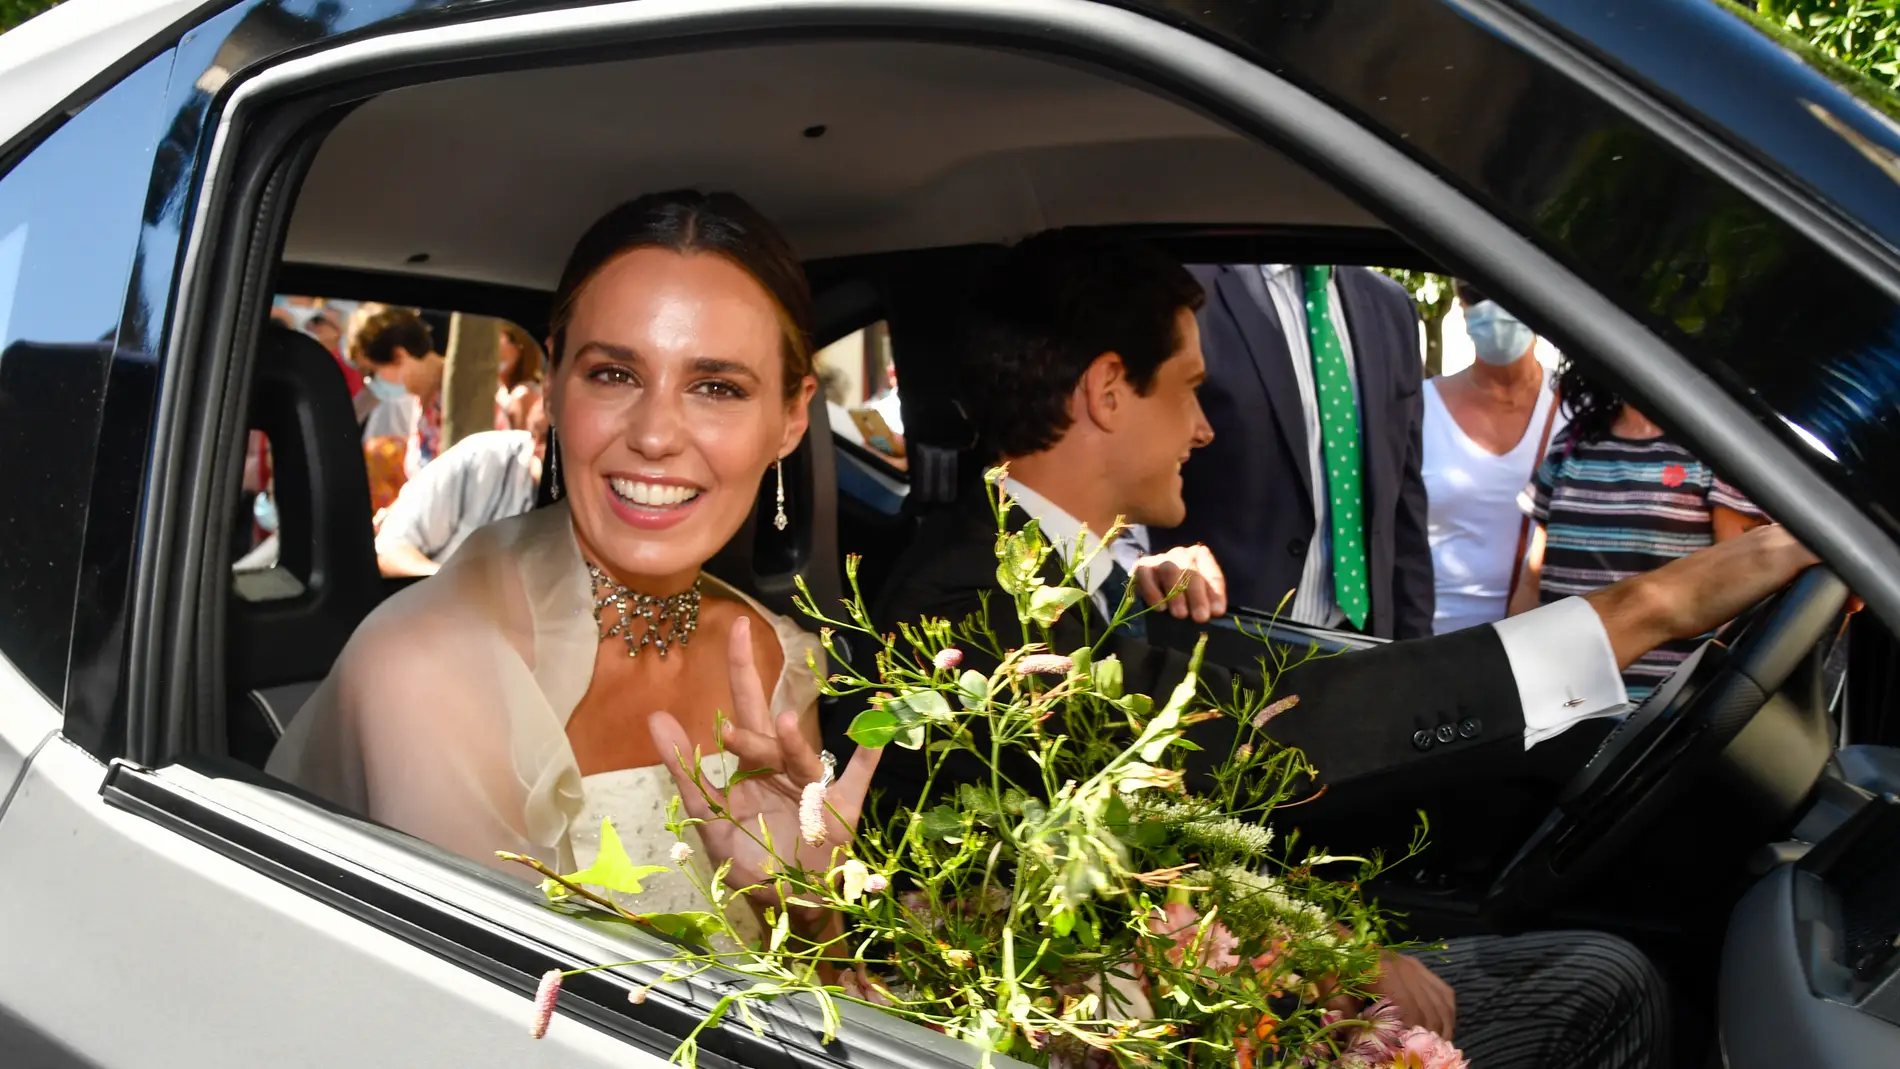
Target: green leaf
(942,822)
(1108,677)
(874,727)
(926,703)
(973,689)
(1136,705)
(694,928)
(612,868)
(747,773)
(1048,603)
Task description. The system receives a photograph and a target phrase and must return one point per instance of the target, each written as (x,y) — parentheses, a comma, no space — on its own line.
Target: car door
(175,909)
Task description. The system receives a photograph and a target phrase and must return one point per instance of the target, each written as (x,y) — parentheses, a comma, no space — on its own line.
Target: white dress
(1472,514)
(446,715)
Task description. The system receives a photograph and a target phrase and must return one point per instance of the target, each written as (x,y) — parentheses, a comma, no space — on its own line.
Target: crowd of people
(1267,423)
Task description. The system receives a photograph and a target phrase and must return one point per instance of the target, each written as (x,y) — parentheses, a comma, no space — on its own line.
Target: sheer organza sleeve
(433,723)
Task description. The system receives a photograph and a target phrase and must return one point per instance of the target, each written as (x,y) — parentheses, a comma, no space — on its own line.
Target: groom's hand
(1421,997)
(1205,595)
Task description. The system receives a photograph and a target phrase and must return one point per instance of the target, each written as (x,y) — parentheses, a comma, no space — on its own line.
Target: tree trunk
(469,381)
(1434,346)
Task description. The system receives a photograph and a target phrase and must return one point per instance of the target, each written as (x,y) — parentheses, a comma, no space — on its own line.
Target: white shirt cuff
(1565,670)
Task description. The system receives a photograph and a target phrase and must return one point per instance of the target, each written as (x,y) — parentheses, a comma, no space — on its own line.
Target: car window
(859,380)
(70,214)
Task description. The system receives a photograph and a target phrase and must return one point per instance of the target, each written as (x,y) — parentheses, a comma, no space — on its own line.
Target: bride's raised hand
(774,797)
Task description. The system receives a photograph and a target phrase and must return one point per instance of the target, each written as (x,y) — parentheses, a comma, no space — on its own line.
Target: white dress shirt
(1559,654)
(1313,601)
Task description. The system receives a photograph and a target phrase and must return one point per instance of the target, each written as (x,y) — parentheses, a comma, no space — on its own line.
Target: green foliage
(1856,43)
(1080,900)
(1433,296)
(14,12)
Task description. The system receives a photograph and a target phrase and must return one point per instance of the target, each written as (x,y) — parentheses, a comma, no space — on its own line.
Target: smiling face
(669,404)
(1161,428)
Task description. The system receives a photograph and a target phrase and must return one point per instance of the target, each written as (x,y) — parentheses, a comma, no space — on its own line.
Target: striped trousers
(1555,1000)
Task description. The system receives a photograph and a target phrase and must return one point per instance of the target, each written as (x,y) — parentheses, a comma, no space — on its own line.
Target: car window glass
(859,380)
(70,214)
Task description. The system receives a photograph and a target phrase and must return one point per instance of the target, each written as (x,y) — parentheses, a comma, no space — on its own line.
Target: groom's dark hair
(1057,302)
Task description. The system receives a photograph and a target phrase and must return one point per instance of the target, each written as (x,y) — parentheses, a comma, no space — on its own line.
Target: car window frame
(1248,96)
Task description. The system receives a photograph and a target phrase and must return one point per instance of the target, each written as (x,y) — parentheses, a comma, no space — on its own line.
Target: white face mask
(1496,335)
(385,390)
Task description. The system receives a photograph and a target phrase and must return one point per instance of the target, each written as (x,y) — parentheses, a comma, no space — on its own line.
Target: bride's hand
(761,743)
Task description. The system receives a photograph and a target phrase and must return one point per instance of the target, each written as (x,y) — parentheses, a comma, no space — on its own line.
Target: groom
(1083,379)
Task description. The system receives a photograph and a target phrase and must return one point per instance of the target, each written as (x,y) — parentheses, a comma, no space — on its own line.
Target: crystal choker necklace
(670,620)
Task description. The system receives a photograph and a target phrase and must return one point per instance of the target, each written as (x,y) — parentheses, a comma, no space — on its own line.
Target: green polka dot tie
(1339,433)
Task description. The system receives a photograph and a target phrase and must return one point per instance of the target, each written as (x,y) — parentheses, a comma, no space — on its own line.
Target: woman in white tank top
(1485,430)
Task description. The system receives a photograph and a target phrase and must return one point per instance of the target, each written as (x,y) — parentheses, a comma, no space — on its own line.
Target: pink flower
(637,995)
(1421,1048)
(680,853)
(1379,1038)
(1265,716)
(1045,664)
(947,658)
(876,884)
(1179,922)
(544,997)
(811,814)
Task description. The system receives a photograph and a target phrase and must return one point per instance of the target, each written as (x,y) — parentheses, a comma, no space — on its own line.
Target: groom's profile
(1081,376)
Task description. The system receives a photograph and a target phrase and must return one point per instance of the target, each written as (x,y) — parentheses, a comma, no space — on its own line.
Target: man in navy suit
(1311,483)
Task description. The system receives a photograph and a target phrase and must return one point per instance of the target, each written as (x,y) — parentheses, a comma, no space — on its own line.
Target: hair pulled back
(688,221)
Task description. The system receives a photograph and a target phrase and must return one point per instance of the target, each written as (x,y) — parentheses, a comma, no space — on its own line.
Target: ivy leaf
(973,689)
(874,727)
(612,868)
(1048,603)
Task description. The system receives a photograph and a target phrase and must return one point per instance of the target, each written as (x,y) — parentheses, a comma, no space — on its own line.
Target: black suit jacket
(1249,492)
(1359,713)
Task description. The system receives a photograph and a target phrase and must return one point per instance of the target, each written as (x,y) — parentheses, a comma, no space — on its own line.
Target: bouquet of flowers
(1072,903)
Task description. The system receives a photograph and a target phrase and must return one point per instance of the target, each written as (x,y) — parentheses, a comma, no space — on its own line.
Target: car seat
(288,623)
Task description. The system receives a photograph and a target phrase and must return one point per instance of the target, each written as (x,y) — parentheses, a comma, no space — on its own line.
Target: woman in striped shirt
(1614,497)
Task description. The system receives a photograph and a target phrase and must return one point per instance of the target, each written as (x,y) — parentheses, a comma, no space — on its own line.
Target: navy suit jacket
(1249,492)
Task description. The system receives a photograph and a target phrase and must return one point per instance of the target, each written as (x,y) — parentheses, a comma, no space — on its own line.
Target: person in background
(329,333)
(405,381)
(1617,497)
(1311,483)
(1486,429)
(485,477)
(518,361)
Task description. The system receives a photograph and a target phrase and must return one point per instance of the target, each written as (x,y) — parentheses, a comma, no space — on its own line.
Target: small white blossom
(947,658)
(680,853)
(876,884)
(811,814)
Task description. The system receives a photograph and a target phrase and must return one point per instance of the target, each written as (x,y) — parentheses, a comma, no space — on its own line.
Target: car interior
(900,170)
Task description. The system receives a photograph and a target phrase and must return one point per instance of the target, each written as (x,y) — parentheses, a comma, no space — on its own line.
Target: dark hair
(1591,406)
(688,221)
(376,341)
(1056,303)
(1467,292)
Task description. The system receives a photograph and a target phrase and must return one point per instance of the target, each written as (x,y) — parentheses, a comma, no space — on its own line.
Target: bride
(562,664)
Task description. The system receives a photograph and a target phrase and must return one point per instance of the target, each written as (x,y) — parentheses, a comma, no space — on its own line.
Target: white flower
(811,814)
(1045,664)
(856,876)
(680,853)
(876,884)
(637,995)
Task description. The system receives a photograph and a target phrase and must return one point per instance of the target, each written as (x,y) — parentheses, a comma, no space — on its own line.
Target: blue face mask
(1496,335)
(384,390)
(264,511)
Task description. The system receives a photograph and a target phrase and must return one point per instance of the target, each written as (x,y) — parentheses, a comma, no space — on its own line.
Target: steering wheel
(1668,743)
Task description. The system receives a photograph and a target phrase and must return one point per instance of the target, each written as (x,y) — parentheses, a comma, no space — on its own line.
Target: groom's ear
(1101,396)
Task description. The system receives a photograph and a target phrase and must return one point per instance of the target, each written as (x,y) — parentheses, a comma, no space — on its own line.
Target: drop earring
(779,521)
(554,466)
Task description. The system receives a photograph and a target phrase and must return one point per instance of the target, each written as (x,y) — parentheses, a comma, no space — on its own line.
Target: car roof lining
(924,145)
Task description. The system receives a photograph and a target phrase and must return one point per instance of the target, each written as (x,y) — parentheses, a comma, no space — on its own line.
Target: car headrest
(325,542)
(766,562)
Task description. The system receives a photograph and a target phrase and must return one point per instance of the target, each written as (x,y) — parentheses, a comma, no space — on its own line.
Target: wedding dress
(446,715)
